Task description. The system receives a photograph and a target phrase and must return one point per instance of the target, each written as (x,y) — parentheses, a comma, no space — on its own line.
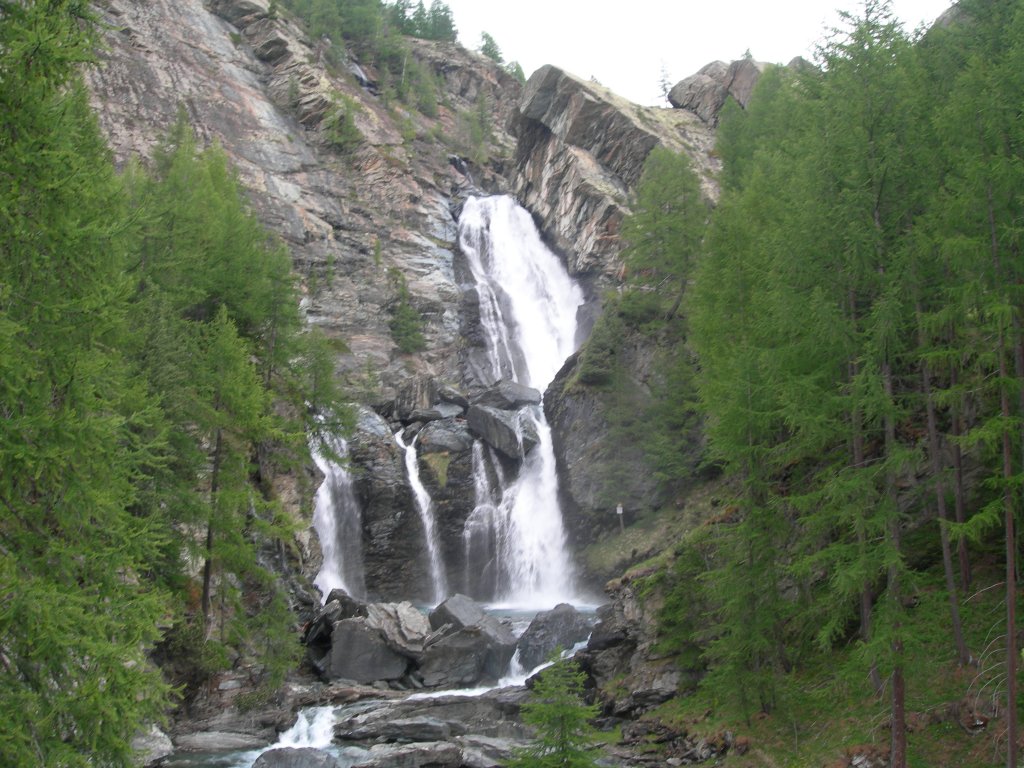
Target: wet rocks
(508,395)
(473,646)
(560,628)
(505,431)
(460,645)
(296,757)
(362,654)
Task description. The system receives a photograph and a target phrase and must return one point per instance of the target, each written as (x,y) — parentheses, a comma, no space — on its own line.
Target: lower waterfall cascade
(338,523)
(424,506)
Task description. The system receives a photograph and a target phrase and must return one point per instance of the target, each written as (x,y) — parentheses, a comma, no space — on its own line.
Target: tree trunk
(208,564)
(898,753)
(1011,570)
(962,654)
(959,503)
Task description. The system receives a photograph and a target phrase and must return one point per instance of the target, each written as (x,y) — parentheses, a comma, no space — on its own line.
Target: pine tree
(561,721)
(489,48)
(77,612)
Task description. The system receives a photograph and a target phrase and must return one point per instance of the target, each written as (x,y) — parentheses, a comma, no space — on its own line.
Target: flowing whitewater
(338,522)
(528,305)
(425,507)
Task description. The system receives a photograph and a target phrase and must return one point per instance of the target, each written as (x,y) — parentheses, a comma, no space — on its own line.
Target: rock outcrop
(255,83)
(705,93)
(623,647)
(580,151)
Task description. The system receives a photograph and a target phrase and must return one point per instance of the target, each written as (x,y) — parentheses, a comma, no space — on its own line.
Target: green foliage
(515,69)
(374,31)
(561,721)
(77,612)
(339,126)
(406,322)
(490,49)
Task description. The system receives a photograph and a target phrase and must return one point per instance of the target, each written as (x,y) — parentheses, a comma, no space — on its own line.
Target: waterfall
(426,509)
(528,307)
(338,522)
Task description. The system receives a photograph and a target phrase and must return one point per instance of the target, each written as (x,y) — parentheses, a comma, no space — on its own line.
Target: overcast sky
(624,44)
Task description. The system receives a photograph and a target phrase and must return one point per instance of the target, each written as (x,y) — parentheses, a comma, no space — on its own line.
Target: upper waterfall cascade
(528,305)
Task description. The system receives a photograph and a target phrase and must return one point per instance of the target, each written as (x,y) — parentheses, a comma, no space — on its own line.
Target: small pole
(618,511)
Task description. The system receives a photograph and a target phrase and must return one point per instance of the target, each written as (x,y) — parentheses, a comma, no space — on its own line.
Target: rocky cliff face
(262,89)
(579,155)
(580,151)
(359,223)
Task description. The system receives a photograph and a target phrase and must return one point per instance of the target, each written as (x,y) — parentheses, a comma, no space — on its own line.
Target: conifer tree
(561,721)
(77,613)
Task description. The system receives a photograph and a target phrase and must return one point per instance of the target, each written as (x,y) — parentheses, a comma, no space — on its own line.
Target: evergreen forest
(155,378)
(840,360)
(846,329)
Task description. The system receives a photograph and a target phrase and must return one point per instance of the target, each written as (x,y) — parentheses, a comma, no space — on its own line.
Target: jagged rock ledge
(580,152)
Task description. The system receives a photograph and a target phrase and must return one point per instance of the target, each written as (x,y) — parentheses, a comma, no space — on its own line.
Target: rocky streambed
(397,687)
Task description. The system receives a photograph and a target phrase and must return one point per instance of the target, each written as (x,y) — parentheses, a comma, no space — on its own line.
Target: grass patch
(438,463)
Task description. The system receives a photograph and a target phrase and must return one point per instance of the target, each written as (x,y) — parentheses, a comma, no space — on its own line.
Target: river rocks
(562,627)
(360,653)
(404,628)
(460,645)
(506,431)
(218,741)
(492,715)
(436,754)
(474,645)
(366,642)
(462,659)
(151,746)
(296,757)
(458,611)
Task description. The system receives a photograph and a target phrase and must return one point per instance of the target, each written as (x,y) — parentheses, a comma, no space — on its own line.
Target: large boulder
(447,435)
(701,94)
(508,395)
(505,431)
(360,652)
(561,627)
(473,646)
(458,611)
(434,754)
(151,746)
(317,637)
(296,757)
(404,628)
(464,658)
(705,92)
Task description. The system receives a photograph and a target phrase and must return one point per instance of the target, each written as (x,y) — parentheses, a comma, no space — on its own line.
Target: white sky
(625,43)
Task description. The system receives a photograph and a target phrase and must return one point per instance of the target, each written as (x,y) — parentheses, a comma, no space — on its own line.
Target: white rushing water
(425,507)
(528,306)
(338,522)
